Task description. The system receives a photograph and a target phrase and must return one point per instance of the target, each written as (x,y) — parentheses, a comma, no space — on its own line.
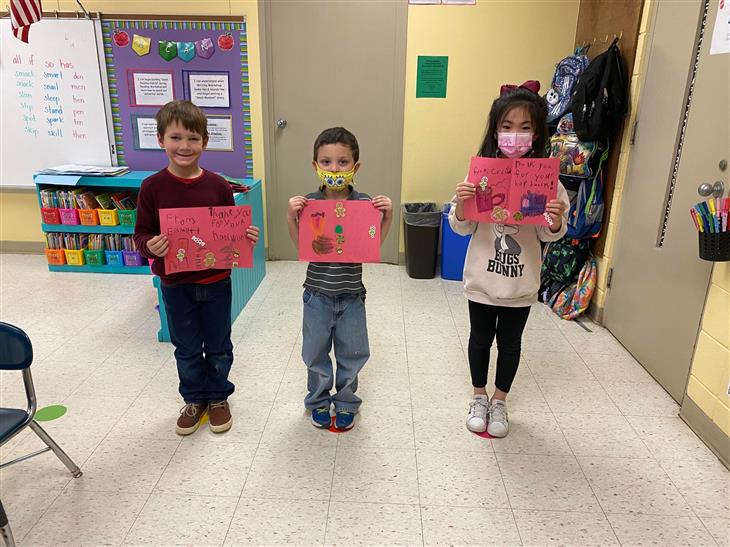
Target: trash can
(453,249)
(421,235)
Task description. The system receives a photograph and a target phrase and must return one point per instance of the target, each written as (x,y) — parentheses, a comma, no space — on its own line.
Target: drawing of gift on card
(339,231)
(533,204)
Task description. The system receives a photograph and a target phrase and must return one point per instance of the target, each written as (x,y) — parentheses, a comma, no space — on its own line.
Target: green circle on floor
(48,413)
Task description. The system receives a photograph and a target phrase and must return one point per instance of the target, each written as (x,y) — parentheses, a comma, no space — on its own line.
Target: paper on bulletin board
(431,76)
(339,231)
(145,133)
(220,133)
(152,88)
(512,191)
(721,32)
(203,238)
(209,90)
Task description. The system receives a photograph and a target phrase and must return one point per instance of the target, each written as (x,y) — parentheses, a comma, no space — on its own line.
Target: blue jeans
(339,319)
(199,317)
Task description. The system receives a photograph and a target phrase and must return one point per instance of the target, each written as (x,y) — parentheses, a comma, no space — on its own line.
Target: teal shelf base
(101,269)
(81,228)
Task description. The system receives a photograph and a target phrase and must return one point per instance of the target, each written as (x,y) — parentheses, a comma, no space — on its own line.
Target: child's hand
(296,204)
(555,208)
(252,233)
(158,245)
(465,190)
(384,205)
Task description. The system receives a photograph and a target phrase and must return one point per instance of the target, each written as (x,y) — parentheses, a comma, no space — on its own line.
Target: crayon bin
(114,258)
(89,217)
(94,257)
(74,258)
(132,258)
(108,217)
(55,257)
(69,216)
(128,217)
(714,247)
(50,215)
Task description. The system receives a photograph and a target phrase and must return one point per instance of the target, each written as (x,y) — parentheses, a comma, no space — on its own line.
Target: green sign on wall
(431,77)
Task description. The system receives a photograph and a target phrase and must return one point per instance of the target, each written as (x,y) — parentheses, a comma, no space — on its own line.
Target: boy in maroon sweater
(198,304)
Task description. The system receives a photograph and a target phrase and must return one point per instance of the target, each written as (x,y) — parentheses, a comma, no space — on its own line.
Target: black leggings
(508,324)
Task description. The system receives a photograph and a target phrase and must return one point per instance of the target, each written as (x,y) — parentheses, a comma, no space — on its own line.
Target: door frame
(649,45)
(390,247)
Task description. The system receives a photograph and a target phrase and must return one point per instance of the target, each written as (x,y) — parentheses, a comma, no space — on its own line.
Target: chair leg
(5,532)
(46,438)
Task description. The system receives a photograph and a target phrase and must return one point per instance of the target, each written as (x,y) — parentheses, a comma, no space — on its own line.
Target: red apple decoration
(121,38)
(225,41)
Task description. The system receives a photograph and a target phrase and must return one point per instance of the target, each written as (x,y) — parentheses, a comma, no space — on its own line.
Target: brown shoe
(189,420)
(219,414)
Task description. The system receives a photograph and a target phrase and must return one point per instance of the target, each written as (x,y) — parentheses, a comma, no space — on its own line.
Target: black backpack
(600,98)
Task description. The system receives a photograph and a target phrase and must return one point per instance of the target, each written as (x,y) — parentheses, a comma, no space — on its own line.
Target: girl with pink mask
(502,267)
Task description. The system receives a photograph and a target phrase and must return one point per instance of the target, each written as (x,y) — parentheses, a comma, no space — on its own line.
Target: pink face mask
(514,145)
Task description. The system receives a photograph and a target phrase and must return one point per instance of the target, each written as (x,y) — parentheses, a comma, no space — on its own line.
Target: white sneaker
(498,423)
(476,421)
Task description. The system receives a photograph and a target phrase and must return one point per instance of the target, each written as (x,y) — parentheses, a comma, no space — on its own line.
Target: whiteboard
(54,99)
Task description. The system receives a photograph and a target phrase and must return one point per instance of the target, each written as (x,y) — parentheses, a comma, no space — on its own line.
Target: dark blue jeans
(199,317)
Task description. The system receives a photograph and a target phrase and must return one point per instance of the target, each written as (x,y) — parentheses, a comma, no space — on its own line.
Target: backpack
(586,212)
(563,259)
(576,157)
(566,75)
(599,102)
(574,299)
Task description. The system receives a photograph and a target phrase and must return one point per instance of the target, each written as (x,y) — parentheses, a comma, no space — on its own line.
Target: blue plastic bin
(453,250)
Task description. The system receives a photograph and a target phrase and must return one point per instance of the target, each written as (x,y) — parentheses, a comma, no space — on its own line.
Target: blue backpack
(586,211)
(566,75)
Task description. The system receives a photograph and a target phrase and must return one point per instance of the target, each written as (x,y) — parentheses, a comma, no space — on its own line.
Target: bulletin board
(150,62)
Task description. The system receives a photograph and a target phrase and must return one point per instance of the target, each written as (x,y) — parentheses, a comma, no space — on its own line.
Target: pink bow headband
(530,85)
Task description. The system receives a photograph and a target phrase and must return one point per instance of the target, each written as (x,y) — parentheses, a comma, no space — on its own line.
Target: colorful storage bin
(74,258)
(128,217)
(94,257)
(50,215)
(89,217)
(108,217)
(114,258)
(69,216)
(55,257)
(132,258)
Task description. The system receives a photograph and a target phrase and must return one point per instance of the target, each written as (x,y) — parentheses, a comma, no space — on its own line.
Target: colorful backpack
(566,75)
(575,155)
(563,259)
(574,299)
(585,218)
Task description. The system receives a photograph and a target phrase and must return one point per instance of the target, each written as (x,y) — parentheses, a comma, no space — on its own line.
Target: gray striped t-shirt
(333,278)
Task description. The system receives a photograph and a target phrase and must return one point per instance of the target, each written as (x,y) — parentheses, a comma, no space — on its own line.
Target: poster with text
(339,231)
(207,238)
(512,191)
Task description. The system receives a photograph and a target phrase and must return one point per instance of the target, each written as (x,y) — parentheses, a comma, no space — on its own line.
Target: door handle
(281,123)
(716,190)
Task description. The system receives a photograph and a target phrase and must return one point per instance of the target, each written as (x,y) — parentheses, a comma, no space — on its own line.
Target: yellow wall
(489,44)
(710,374)
(19,217)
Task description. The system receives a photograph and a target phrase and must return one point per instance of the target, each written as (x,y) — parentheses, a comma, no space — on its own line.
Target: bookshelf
(129,181)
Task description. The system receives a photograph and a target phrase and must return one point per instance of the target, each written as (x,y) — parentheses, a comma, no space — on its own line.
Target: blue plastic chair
(16,353)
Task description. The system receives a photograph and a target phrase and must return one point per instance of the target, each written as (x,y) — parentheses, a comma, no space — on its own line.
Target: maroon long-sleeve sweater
(163,190)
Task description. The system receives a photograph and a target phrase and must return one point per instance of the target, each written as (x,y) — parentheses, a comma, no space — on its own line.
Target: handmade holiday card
(512,191)
(339,231)
(203,238)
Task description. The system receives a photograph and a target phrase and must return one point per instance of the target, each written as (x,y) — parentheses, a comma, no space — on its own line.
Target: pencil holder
(69,216)
(132,258)
(74,258)
(94,257)
(55,257)
(128,217)
(114,258)
(715,247)
(108,217)
(50,215)
(89,217)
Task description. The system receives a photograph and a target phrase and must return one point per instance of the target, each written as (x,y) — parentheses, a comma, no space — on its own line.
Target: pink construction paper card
(204,238)
(512,191)
(339,231)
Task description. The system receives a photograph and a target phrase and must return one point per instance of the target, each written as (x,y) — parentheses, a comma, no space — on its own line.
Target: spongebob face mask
(336,181)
